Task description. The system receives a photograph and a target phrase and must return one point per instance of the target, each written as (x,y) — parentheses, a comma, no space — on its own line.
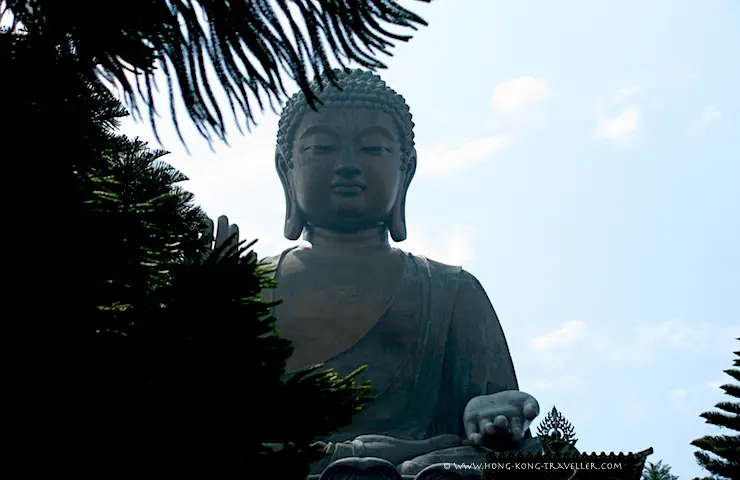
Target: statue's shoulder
(273,261)
(439,268)
(465,281)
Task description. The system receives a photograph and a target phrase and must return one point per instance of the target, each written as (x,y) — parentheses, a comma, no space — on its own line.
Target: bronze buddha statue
(436,354)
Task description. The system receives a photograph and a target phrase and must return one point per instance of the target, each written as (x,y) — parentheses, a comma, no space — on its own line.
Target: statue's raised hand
(222,233)
(509,413)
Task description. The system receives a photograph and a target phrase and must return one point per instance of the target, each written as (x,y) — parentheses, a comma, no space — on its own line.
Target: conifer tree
(185,373)
(720,454)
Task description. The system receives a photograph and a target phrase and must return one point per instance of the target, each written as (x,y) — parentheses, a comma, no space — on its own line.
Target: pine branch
(721,420)
(733,390)
(729,407)
(724,446)
(717,466)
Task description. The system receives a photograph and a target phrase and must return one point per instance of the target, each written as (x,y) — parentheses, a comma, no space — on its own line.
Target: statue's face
(347,168)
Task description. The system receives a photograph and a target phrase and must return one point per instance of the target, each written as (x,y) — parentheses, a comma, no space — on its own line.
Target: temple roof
(511,455)
(565,465)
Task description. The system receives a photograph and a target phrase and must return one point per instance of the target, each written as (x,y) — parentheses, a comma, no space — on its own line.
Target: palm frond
(657,471)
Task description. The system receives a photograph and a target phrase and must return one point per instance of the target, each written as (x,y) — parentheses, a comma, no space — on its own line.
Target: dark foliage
(187,369)
(180,370)
(720,454)
(59,125)
(147,358)
(240,44)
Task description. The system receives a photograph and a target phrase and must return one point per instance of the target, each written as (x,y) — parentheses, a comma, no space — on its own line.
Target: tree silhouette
(148,356)
(720,454)
(181,371)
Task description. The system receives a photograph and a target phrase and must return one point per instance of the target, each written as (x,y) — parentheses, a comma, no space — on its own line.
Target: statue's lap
(452,463)
(462,458)
(448,463)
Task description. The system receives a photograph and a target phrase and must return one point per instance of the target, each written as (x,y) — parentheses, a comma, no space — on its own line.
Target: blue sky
(582,160)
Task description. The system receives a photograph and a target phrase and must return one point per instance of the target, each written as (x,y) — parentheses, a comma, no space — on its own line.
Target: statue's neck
(330,242)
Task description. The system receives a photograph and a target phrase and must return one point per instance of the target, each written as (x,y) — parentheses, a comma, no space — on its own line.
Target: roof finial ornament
(556,433)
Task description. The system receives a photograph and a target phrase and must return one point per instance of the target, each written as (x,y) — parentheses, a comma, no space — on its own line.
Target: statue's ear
(293,218)
(398,215)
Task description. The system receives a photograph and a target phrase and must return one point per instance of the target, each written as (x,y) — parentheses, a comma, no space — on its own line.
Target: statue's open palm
(221,233)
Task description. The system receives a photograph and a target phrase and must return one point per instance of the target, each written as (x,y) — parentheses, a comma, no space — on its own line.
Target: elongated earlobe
(397,224)
(293,219)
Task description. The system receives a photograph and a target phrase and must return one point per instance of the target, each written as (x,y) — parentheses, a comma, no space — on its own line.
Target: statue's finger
(475,439)
(530,409)
(516,427)
(501,422)
(525,426)
(471,427)
(222,232)
(234,234)
(319,446)
(486,426)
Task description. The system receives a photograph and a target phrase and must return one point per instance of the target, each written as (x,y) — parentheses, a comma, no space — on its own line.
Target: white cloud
(458,248)
(627,92)
(639,346)
(566,336)
(453,247)
(670,334)
(650,342)
(568,383)
(677,395)
(710,116)
(623,125)
(557,348)
(247,161)
(512,96)
(446,158)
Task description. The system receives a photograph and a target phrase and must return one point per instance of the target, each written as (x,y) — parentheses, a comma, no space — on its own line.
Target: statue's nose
(347,165)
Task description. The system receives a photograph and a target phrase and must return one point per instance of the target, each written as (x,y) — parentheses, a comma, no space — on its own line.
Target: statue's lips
(347,190)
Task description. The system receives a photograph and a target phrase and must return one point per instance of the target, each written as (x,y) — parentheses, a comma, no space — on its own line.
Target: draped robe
(438,344)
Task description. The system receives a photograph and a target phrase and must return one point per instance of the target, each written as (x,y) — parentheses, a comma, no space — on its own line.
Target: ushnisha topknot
(359,89)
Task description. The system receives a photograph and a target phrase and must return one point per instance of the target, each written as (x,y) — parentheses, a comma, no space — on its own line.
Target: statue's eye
(375,150)
(320,148)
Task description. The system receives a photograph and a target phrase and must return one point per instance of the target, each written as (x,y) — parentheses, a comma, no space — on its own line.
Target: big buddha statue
(440,367)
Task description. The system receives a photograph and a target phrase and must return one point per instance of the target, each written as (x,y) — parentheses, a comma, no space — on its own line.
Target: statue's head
(346,167)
